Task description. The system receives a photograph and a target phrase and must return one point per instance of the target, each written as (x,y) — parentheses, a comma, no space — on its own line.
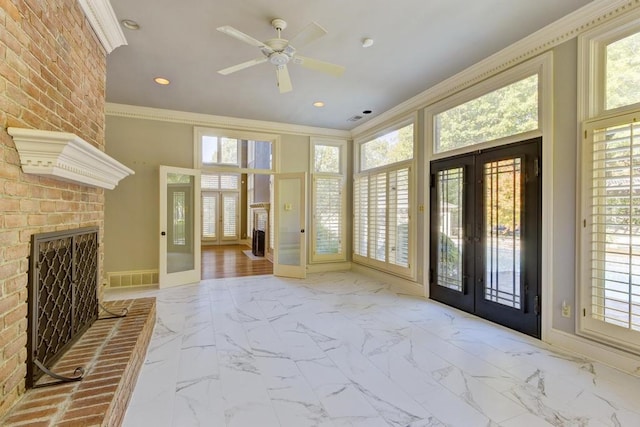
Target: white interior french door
(290,218)
(179,226)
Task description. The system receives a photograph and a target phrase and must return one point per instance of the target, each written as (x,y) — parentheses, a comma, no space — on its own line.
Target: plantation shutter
(360,215)
(328,215)
(399,217)
(615,225)
(229,216)
(378,216)
(209,200)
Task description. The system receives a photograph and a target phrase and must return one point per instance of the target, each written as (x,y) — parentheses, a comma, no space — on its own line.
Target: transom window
(392,147)
(219,150)
(622,72)
(510,110)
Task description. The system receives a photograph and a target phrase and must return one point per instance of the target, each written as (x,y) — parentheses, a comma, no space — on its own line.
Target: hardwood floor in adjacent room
(229,261)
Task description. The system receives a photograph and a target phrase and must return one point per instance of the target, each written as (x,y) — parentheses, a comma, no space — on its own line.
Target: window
(609,280)
(507,111)
(622,72)
(382,202)
(329,200)
(389,148)
(218,150)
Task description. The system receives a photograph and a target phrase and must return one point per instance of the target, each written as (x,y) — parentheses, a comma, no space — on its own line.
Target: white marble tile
(341,349)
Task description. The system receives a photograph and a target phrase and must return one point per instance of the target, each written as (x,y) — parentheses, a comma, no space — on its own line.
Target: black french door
(485,234)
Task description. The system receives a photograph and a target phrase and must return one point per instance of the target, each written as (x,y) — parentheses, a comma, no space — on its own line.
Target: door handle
(163,233)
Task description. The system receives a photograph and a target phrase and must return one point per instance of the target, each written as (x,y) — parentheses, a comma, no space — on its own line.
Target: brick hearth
(112,352)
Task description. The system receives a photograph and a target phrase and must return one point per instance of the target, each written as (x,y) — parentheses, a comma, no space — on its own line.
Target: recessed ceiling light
(367,42)
(161,81)
(130,24)
(318,104)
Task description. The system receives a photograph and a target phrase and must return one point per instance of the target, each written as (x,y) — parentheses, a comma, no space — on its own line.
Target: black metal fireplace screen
(63,299)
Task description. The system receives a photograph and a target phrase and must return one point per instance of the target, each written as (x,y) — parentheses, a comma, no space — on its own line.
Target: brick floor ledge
(112,352)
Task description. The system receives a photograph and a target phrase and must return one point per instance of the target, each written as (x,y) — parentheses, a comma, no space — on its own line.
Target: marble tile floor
(342,349)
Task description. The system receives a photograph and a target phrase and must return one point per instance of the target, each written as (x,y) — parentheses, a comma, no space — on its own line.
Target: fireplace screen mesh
(63,300)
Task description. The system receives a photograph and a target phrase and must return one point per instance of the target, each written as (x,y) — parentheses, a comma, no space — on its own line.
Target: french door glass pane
(615,263)
(502,224)
(179,231)
(180,205)
(451,230)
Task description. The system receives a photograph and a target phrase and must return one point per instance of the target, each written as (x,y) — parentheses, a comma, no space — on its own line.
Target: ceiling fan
(281,52)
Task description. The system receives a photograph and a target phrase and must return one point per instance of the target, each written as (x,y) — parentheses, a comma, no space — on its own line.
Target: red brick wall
(52,77)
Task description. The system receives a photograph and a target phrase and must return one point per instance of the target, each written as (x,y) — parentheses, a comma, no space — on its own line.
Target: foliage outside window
(507,111)
(392,147)
(329,201)
(382,227)
(610,230)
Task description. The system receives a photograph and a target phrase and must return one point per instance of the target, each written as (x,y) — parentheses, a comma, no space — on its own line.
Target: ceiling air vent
(354,118)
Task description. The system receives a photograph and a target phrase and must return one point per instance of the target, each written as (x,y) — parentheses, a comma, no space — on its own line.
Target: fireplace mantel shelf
(68,157)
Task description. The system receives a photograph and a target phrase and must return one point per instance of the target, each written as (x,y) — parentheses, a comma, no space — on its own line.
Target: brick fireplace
(52,77)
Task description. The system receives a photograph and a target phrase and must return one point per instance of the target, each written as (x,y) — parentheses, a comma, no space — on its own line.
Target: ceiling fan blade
(242,66)
(237,34)
(284,81)
(308,34)
(315,64)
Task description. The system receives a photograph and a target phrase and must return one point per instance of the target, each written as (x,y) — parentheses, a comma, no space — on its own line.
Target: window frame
(341,256)
(408,272)
(593,116)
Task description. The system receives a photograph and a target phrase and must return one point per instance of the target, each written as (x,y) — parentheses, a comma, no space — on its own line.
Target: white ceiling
(418,43)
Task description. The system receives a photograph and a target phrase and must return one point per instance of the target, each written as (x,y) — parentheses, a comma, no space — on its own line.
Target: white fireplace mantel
(68,157)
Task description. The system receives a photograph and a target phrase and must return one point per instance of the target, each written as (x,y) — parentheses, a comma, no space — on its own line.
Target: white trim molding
(558,32)
(221,122)
(67,157)
(104,22)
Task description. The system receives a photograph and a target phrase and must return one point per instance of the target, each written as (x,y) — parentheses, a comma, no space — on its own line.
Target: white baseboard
(406,286)
(613,357)
(329,266)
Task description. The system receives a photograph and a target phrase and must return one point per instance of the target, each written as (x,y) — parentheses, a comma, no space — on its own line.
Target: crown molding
(67,157)
(564,29)
(104,22)
(206,120)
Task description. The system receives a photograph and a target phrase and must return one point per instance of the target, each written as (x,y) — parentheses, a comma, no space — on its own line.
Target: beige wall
(132,213)
(132,230)
(565,135)
(52,73)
